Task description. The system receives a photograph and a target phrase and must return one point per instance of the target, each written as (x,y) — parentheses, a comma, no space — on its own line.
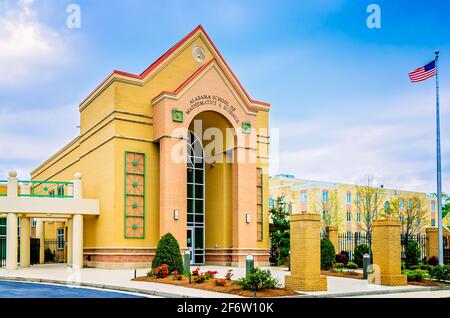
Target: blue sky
(340,94)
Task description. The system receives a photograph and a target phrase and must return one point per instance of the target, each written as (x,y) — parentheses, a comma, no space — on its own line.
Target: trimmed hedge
(168,252)
(359,252)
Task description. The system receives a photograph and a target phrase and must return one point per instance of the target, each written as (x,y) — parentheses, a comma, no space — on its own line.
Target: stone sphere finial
(13,174)
(77,176)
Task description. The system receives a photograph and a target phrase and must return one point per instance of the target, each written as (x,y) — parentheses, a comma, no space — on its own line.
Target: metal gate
(34,250)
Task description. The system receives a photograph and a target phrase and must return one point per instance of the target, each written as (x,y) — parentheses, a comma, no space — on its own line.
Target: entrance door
(196,199)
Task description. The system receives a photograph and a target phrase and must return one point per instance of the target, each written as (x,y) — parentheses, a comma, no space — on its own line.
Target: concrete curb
(375,292)
(100,286)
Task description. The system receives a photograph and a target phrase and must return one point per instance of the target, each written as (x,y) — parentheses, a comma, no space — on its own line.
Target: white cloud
(392,140)
(25,42)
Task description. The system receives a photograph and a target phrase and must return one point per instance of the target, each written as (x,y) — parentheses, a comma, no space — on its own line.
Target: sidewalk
(120,280)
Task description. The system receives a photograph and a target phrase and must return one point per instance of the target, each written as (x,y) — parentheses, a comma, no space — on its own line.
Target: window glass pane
(190,217)
(199,218)
(190,206)
(199,191)
(199,176)
(190,191)
(199,237)
(199,259)
(199,206)
(190,175)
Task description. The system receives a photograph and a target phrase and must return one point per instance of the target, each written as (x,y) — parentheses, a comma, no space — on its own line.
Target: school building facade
(179,148)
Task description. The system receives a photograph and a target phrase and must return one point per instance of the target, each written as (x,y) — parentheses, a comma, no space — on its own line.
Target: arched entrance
(209,187)
(195,199)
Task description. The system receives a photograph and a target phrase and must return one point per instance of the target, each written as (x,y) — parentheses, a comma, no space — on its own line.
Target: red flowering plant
(199,279)
(210,274)
(160,272)
(176,275)
(196,271)
(229,274)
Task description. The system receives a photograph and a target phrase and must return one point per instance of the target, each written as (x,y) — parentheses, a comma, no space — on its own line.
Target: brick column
(305,254)
(386,251)
(173,188)
(332,233)
(432,242)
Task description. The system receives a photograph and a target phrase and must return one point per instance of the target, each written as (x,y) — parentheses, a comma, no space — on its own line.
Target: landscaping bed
(354,275)
(210,285)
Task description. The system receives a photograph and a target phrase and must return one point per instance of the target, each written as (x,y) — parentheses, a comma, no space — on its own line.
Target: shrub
(352,266)
(327,254)
(414,267)
(339,265)
(221,282)
(177,275)
(359,252)
(342,258)
(412,254)
(440,272)
(168,252)
(49,256)
(258,279)
(229,274)
(424,267)
(415,275)
(433,261)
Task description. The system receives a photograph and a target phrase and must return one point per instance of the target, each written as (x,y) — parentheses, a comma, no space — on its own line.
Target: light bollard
(249,264)
(187,261)
(366,263)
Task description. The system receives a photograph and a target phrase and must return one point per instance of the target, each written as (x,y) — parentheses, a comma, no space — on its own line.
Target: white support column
(40,236)
(77,186)
(11,225)
(11,241)
(77,247)
(69,241)
(24,242)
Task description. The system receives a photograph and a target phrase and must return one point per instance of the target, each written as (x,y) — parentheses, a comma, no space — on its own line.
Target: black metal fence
(446,250)
(55,251)
(421,241)
(2,251)
(348,242)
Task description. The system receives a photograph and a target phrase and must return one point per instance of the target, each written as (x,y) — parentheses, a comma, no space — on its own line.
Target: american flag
(423,73)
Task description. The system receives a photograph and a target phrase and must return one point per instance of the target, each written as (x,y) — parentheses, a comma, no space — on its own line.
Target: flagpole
(438,159)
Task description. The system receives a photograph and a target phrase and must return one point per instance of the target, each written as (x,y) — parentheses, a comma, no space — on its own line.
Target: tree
(280,237)
(412,212)
(445,203)
(168,252)
(369,203)
(330,210)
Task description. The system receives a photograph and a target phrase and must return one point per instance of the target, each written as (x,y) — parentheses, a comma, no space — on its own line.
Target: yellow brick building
(133,131)
(315,196)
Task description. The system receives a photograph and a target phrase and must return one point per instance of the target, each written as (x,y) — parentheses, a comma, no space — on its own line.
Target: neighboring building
(130,125)
(312,196)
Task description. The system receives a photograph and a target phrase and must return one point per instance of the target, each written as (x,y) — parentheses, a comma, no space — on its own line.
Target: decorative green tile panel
(134,195)
(246,127)
(177,115)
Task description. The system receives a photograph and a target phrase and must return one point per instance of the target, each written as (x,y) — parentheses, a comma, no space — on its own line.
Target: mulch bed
(210,285)
(429,282)
(343,274)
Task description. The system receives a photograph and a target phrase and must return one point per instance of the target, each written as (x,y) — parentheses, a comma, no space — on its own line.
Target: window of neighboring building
(433,222)
(358,199)
(433,206)
(51,193)
(349,236)
(304,197)
(271,203)
(387,207)
(349,216)
(33,222)
(358,217)
(402,218)
(324,214)
(325,196)
(410,204)
(60,239)
(61,191)
(349,198)
(402,204)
